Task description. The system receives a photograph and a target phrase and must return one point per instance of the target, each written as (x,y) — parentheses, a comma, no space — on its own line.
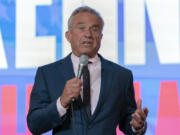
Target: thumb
(145,110)
(139,104)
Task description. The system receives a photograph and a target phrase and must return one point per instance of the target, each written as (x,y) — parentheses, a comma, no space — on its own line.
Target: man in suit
(58,97)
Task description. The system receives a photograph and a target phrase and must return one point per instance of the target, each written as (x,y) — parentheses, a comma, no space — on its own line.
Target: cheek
(98,39)
(77,38)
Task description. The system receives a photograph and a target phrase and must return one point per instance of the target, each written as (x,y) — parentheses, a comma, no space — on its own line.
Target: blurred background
(142,35)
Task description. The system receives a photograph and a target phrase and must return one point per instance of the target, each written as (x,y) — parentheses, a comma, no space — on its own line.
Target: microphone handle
(79,74)
(80,70)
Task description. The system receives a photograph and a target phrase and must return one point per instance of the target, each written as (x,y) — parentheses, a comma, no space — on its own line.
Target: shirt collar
(94,60)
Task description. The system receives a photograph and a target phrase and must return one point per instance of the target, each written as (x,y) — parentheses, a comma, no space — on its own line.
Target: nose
(88,33)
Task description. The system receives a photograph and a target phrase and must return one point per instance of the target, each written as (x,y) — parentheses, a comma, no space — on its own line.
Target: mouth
(87,43)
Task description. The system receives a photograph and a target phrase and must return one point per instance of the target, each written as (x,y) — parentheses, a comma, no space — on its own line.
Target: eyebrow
(96,25)
(79,23)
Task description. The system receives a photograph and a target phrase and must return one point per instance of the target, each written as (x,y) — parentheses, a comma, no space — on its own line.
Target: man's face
(85,35)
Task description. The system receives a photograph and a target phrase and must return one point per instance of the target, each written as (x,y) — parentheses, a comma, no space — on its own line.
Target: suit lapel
(106,76)
(67,68)
(61,71)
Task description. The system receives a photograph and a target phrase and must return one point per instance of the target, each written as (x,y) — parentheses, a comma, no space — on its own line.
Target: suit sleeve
(129,107)
(43,114)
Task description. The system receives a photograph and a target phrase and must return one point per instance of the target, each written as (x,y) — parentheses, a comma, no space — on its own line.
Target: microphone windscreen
(83,59)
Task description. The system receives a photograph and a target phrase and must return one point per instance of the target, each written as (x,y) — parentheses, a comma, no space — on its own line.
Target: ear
(68,35)
(101,35)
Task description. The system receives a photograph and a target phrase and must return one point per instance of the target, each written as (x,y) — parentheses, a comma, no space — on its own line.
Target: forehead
(86,18)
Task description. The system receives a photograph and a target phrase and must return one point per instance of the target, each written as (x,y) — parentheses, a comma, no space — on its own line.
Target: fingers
(73,85)
(74,88)
(136,125)
(71,91)
(139,104)
(138,119)
(139,116)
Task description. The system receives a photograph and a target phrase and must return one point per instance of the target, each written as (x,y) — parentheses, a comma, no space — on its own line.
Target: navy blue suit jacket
(115,106)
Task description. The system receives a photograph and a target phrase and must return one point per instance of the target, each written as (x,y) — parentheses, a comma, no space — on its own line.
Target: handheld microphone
(83,61)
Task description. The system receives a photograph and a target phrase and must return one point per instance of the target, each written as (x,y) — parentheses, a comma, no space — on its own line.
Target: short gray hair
(84,9)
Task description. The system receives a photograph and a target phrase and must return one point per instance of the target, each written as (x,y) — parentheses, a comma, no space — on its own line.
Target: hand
(71,91)
(139,116)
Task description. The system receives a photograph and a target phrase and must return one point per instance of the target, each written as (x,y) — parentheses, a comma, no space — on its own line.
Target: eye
(95,29)
(81,27)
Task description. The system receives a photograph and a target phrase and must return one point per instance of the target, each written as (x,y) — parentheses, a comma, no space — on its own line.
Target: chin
(88,53)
